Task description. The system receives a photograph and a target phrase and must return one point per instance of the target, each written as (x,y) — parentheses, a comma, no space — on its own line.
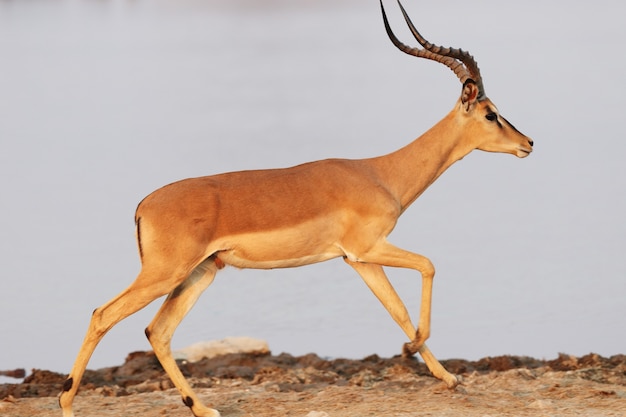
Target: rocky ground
(308,386)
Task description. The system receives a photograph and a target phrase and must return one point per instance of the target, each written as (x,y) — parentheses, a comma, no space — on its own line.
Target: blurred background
(101,102)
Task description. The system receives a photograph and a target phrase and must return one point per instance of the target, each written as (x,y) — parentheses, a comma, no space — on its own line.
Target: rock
(214,348)
(15,373)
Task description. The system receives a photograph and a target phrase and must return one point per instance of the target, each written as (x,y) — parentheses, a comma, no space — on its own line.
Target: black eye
(492,117)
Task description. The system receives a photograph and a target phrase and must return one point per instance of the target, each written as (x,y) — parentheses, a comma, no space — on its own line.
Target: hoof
(205,412)
(452,381)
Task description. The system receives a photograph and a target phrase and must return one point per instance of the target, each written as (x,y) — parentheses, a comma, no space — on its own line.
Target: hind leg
(162,328)
(138,295)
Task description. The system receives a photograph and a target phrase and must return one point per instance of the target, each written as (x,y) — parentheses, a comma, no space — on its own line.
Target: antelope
(283,218)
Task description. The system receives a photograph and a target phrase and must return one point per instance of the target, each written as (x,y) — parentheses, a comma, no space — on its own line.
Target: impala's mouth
(523,152)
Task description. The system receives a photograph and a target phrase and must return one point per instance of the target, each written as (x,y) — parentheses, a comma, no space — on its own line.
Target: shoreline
(262,384)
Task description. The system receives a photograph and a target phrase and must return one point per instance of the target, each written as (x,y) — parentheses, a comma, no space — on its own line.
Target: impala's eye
(492,117)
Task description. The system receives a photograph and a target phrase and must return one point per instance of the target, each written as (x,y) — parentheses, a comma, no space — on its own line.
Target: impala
(282,218)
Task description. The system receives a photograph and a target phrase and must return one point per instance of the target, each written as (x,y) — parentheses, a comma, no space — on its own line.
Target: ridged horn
(459,61)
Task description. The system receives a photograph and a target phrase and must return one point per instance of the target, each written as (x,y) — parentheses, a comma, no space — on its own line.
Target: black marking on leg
(67,385)
(147,332)
(408,350)
(188,401)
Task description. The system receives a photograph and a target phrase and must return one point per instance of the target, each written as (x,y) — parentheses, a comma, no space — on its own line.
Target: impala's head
(482,122)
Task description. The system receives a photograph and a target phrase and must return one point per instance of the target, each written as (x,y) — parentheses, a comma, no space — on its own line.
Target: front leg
(423,328)
(379,284)
(437,368)
(384,253)
(375,278)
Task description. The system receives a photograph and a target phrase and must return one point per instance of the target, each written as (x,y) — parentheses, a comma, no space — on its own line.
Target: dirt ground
(244,385)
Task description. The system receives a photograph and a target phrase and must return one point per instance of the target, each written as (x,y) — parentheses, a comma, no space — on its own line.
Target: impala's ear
(469,96)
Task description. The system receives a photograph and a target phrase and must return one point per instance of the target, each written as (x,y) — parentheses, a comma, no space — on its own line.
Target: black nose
(531,142)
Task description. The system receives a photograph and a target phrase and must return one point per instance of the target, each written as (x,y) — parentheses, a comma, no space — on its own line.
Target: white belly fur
(283,248)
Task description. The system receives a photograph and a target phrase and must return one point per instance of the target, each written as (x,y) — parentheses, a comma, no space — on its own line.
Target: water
(101,103)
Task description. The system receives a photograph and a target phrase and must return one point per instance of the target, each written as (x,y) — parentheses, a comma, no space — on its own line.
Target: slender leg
(437,368)
(162,327)
(138,295)
(379,284)
(384,253)
(377,281)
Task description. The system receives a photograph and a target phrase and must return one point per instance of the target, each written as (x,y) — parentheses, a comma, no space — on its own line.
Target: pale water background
(102,102)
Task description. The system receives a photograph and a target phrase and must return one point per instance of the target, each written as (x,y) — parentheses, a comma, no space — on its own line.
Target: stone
(213,348)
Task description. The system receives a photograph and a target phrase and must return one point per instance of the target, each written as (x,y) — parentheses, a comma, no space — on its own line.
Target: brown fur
(188,230)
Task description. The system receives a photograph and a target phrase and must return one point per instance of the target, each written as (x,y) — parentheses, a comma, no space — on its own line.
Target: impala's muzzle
(524,150)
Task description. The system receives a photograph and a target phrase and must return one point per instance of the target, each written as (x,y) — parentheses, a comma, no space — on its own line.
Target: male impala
(281,218)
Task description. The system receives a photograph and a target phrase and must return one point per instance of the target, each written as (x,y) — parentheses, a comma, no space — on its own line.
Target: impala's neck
(407,172)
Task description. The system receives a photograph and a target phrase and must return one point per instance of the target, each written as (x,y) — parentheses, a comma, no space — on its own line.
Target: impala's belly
(284,248)
(235,259)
